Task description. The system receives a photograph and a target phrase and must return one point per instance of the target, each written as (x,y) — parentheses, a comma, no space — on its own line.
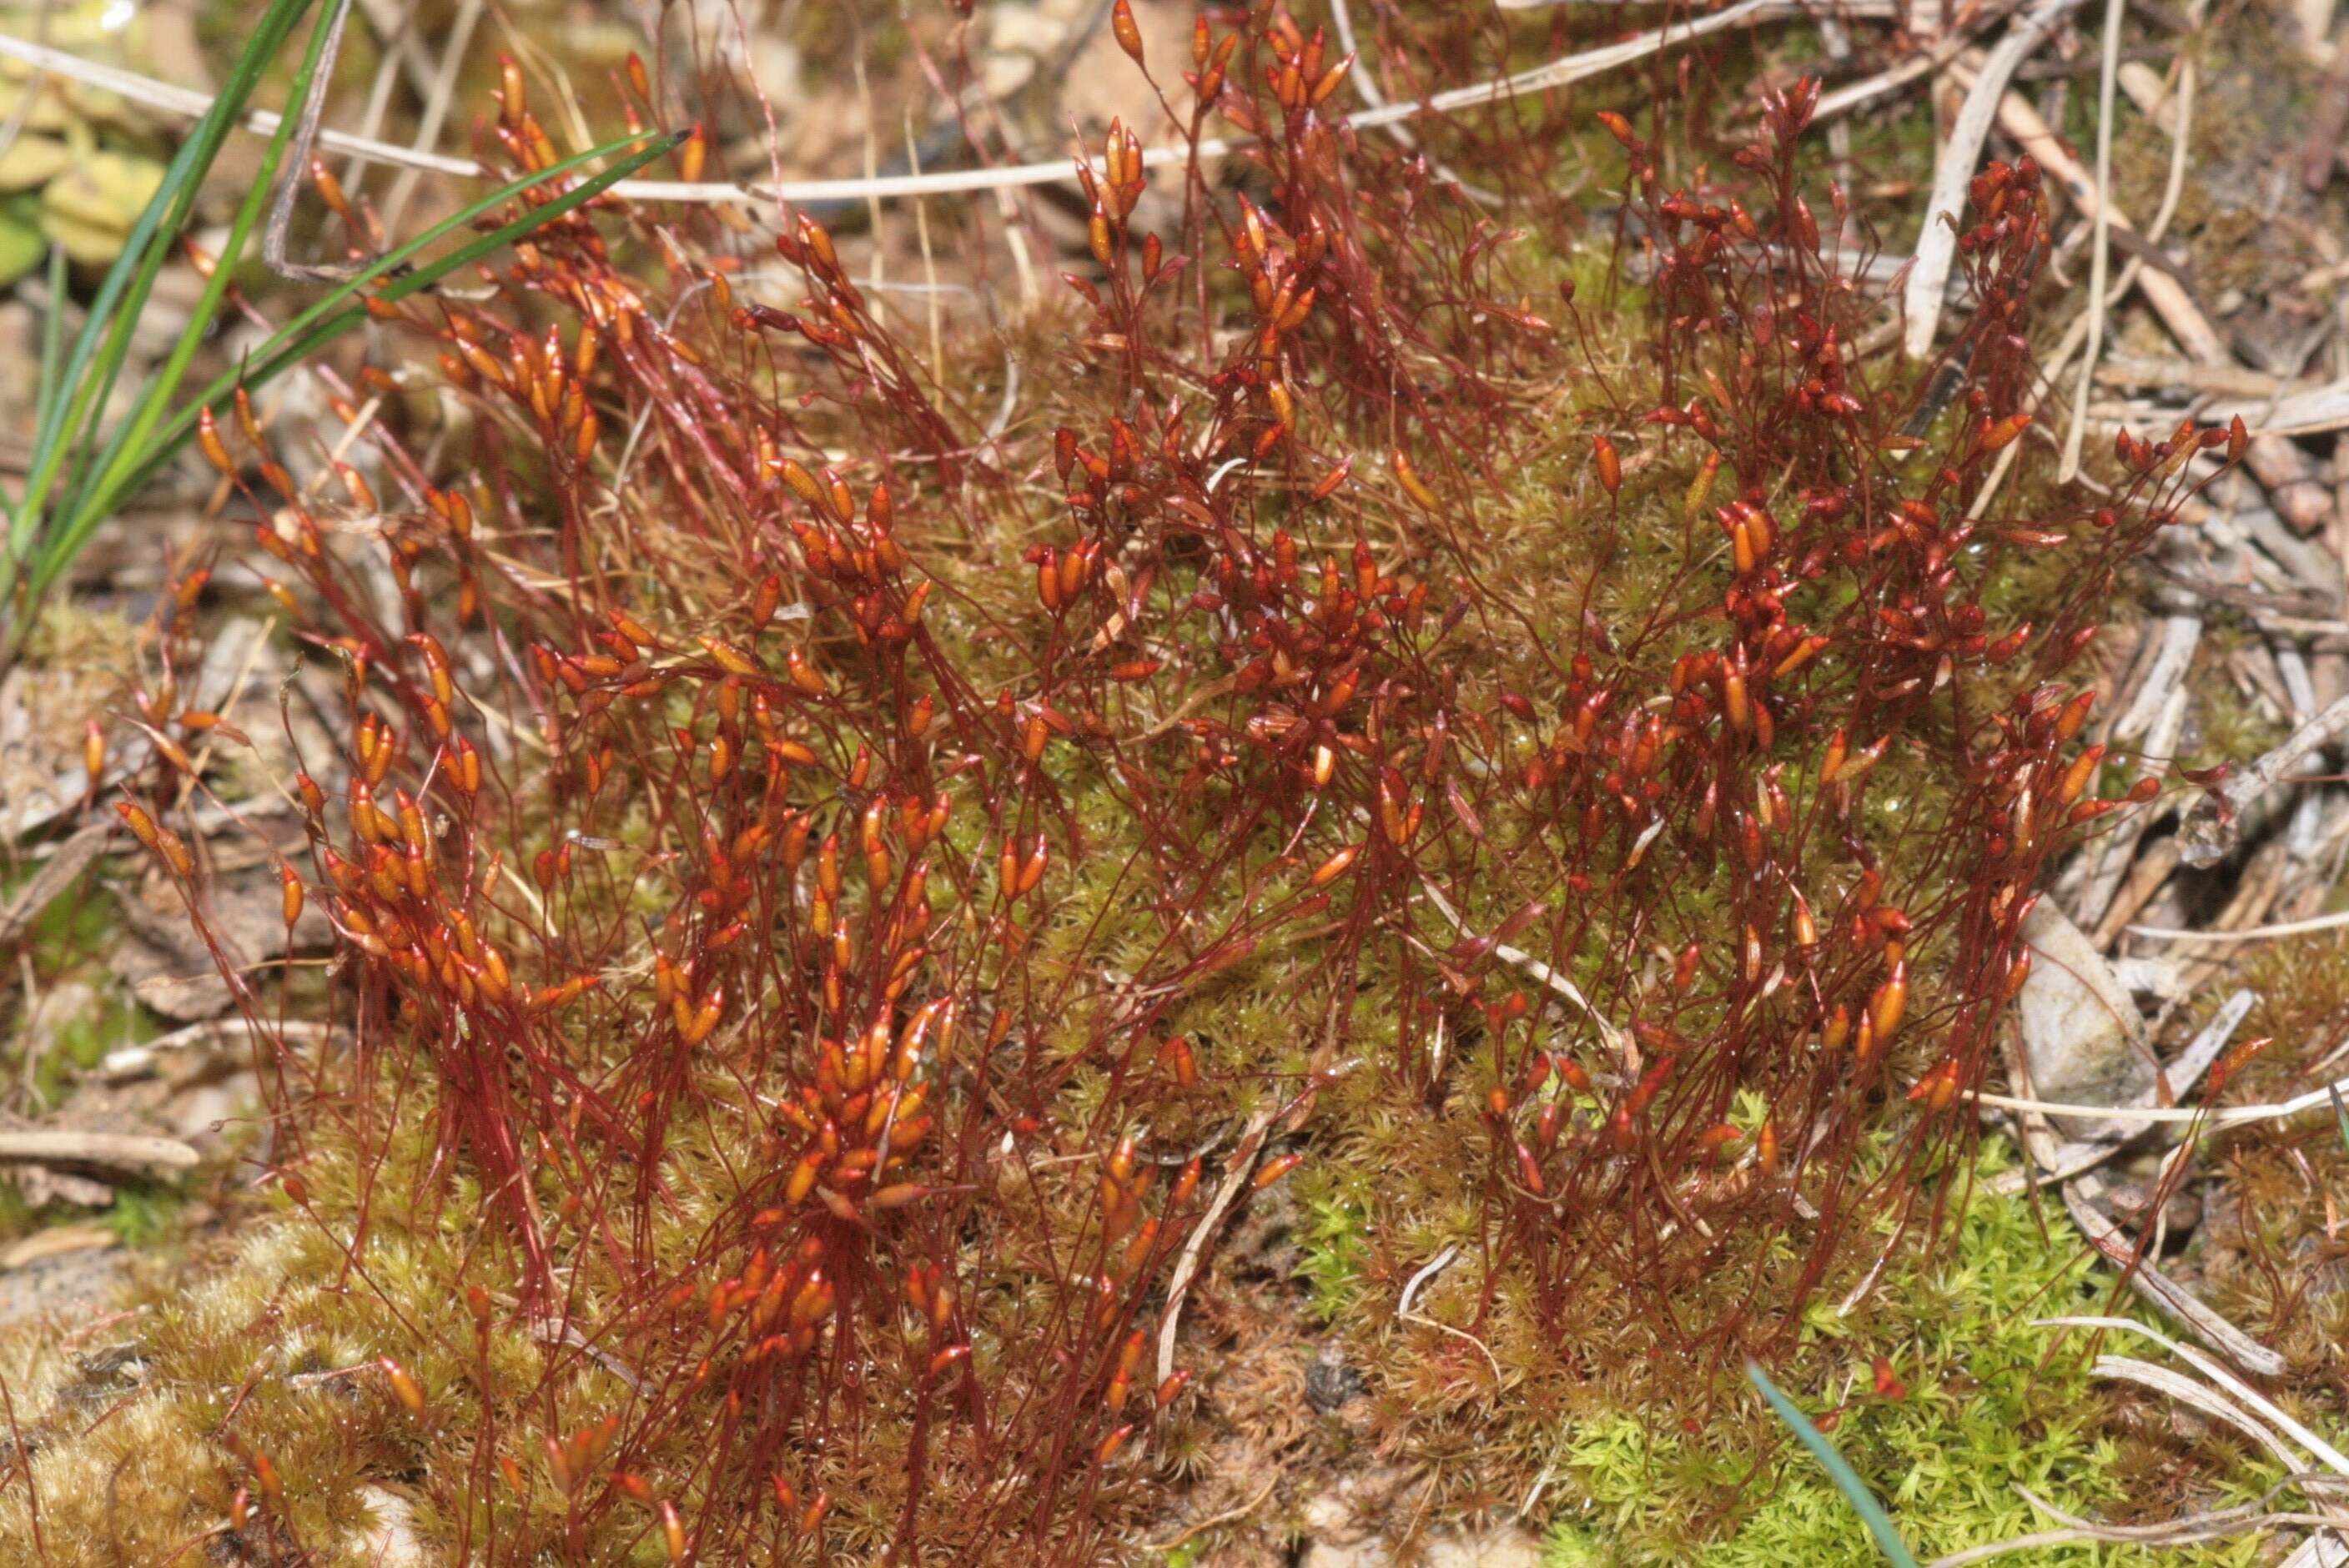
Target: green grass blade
(47,393)
(129,438)
(53,332)
(66,397)
(87,378)
(322,322)
(1839,1471)
(2340,1113)
(335,309)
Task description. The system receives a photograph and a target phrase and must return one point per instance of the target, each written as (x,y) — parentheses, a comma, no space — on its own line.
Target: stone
(1329,1382)
(2082,1038)
(1505,1547)
(389,1539)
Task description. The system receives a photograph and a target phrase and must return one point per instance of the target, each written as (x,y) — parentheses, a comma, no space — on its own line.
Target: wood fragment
(2214,823)
(2100,875)
(2288,474)
(2256,892)
(2144,879)
(2255,932)
(1937,246)
(109,1151)
(2173,655)
(2188,376)
(2301,411)
(55,1242)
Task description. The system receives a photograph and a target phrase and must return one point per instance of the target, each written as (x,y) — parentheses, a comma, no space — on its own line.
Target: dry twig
(1560,72)
(112,1151)
(1936,247)
(2211,828)
(2286,473)
(1186,1267)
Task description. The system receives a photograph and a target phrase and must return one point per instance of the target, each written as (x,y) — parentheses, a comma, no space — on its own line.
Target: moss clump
(1596,702)
(1332,1237)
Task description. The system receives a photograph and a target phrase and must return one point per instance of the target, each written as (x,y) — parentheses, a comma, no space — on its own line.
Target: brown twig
(2211,828)
(294,172)
(2287,472)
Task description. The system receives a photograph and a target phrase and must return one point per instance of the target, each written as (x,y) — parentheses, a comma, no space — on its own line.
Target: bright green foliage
(143,1215)
(1332,1238)
(1992,1401)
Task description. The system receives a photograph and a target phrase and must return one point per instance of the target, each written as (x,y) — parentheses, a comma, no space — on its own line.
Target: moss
(1992,1402)
(273,1330)
(1333,1238)
(2268,1254)
(1495,1377)
(145,1214)
(2231,723)
(67,941)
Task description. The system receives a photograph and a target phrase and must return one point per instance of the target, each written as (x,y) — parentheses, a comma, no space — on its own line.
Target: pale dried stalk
(1936,247)
(1560,72)
(2095,1145)
(2286,473)
(115,1150)
(1617,1040)
(2166,1294)
(2217,1525)
(2137,1270)
(1404,1310)
(2249,933)
(2211,828)
(2313,411)
(2250,1398)
(2100,252)
(436,110)
(2218,1116)
(1186,1266)
(2202,1397)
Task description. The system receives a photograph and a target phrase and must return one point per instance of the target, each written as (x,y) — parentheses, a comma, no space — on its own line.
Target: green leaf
(129,438)
(1839,1471)
(21,244)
